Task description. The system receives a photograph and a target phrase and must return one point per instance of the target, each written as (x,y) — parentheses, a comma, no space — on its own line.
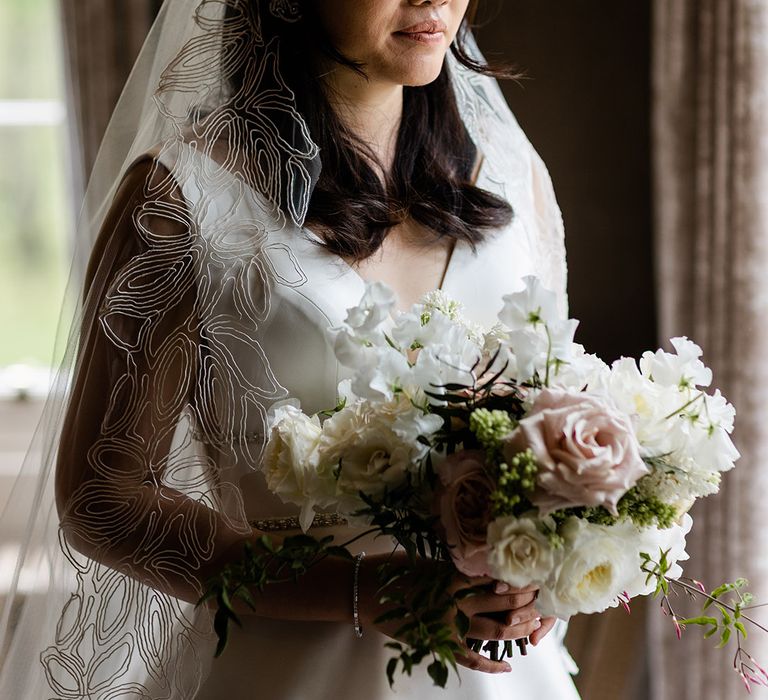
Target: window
(34,220)
(34,213)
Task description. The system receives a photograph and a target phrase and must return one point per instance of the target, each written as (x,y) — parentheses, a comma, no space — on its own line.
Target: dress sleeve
(131,491)
(114,353)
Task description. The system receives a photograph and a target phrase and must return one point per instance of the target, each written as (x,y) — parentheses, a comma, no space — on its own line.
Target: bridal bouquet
(508,453)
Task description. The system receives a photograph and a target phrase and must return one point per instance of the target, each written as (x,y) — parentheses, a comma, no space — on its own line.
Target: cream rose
(464,504)
(365,447)
(291,462)
(586,451)
(520,554)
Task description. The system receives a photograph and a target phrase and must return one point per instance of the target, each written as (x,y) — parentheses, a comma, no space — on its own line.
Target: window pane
(34,211)
(30,60)
(32,241)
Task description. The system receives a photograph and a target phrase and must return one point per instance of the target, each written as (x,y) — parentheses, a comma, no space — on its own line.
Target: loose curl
(431,177)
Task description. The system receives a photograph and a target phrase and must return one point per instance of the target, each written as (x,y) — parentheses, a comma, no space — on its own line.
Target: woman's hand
(495,612)
(547,623)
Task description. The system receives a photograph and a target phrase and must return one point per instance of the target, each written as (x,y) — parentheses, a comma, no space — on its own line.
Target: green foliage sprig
(642,509)
(432,625)
(421,604)
(722,613)
(262,563)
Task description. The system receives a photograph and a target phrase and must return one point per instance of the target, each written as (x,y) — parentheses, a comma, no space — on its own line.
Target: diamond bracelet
(356,596)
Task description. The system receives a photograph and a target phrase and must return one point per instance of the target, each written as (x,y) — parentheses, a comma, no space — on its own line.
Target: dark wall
(585,106)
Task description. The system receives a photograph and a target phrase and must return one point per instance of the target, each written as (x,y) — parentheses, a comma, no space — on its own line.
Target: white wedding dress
(282,660)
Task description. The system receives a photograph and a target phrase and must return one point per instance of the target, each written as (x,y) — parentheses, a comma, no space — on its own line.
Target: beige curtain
(609,651)
(710,74)
(102,39)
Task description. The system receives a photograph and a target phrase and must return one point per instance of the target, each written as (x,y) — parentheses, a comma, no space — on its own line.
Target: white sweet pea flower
(529,348)
(649,405)
(581,372)
(496,336)
(408,331)
(350,350)
(683,369)
(704,446)
(539,345)
(433,322)
(685,427)
(438,365)
(344,391)
(380,373)
(495,343)
(719,412)
(561,335)
(374,308)
(448,353)
(531,307)
(715,451)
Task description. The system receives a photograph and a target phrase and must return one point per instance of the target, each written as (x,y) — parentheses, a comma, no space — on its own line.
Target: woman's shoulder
(180,149)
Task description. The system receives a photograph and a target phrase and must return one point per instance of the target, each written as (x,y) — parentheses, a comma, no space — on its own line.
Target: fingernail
(537,624)
(502,587)
(514,621)
(507,669)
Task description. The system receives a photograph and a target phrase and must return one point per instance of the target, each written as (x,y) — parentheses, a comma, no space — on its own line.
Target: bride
(286,153)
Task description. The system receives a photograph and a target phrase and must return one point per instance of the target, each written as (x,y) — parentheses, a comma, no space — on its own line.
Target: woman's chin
(418,72)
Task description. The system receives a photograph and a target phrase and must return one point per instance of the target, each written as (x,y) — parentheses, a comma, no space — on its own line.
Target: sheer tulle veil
(153,329)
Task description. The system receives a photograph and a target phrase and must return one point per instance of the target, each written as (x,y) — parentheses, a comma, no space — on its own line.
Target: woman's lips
(429,32)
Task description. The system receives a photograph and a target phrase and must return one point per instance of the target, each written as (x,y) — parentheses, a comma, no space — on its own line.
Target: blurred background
(652,116)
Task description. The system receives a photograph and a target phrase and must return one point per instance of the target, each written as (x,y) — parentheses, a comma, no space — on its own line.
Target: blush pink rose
(586,450)
(464,506)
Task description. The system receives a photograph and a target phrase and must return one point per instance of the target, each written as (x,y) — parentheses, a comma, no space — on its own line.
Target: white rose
(291,462)
(370,450)
(598,564)
(520,554)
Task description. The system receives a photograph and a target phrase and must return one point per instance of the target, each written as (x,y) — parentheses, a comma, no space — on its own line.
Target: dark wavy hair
(430,179)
